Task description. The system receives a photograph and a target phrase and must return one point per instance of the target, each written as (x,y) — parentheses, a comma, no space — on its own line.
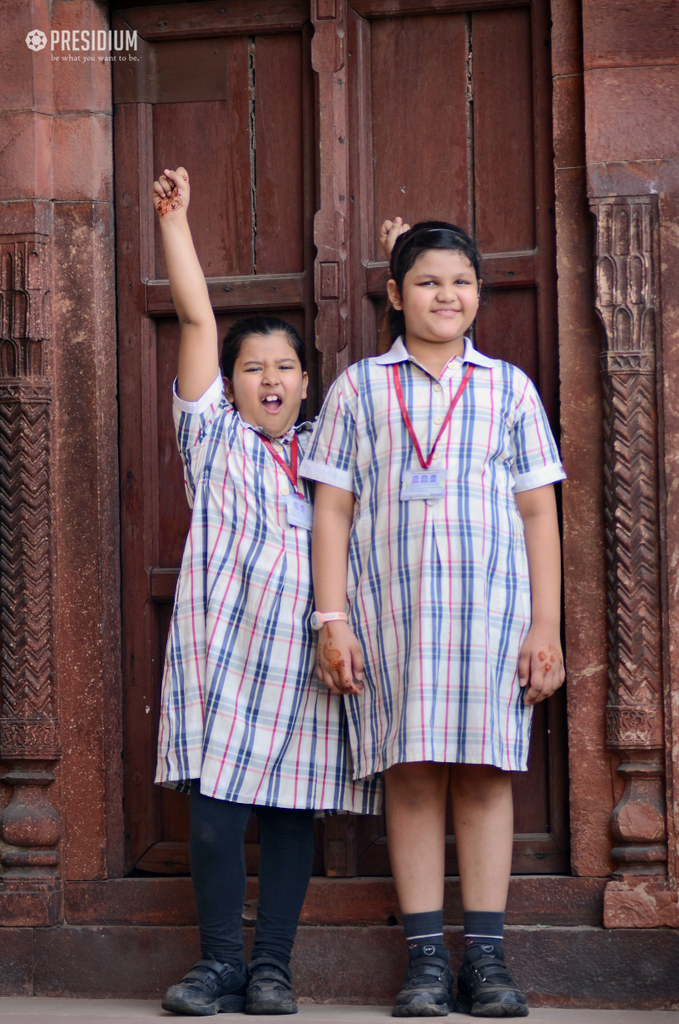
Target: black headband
(451,239)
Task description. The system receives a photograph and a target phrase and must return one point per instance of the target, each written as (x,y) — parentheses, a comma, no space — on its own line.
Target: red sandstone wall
(591,786)
(56,178)
(616,68)
(631,82)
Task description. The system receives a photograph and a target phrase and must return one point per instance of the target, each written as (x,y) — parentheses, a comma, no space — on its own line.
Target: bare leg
(415,806)
(484,823)
(483,817)
(416,795)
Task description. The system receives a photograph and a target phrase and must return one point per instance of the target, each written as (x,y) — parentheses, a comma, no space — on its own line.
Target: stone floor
(129,1011)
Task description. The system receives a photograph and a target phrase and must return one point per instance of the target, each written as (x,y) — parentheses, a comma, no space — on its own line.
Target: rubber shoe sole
(175,1003)
(505,1005)
(271,1003)
(423,1005)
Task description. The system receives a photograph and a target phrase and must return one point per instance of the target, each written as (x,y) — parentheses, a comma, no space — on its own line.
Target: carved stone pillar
(30,827)
(627,299)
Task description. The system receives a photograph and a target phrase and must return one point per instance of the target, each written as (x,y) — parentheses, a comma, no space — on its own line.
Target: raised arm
(198,351)
(389,232)
(541,661)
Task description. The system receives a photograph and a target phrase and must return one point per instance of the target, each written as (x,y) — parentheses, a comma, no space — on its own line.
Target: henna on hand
(548,659)
(172,202)
(332,655)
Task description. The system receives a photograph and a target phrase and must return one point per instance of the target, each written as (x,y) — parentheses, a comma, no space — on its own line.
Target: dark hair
(428,234)
(245,328)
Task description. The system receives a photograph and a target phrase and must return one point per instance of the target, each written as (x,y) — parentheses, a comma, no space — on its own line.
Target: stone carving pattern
(28,720)
(626,299)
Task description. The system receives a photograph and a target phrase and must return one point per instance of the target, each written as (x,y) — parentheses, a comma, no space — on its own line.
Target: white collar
(398,353)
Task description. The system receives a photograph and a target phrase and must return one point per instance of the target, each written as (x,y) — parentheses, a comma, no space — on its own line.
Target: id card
(422,484)
(300,512)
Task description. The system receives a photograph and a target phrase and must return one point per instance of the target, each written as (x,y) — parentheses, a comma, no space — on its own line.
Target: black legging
(286,853)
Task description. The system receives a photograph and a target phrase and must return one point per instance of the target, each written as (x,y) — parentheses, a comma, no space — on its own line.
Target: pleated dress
(241,709)
(438,588)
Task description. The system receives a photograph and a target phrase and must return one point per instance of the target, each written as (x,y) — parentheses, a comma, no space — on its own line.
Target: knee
(205,836)
(285,825)
(417,784)
(216,825)
(480,783)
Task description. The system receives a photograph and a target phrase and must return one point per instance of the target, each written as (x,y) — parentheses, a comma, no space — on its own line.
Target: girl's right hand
(171,192)
(339,659)
(389,232)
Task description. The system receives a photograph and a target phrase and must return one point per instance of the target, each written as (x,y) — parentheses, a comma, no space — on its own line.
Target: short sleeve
(331,455)
(536,457)
(192,420)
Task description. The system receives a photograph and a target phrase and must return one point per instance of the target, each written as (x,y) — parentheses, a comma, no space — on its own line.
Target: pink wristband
(318,619)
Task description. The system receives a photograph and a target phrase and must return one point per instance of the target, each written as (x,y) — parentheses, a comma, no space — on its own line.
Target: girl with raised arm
(244,726)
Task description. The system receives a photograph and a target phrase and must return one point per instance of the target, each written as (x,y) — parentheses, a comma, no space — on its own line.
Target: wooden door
(306,125)
(450,119)
(226,89)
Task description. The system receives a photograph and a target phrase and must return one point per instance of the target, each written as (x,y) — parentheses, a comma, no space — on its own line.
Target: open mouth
(272,403)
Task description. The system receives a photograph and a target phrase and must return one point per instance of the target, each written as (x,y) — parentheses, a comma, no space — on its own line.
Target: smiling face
(268,383)
(439,299)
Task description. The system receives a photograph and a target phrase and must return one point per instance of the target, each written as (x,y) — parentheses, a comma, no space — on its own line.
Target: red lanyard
(408,423)
(291,470)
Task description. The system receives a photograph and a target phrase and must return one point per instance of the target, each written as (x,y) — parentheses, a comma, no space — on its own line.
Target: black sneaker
(269,987)
(485,988)
(208,988)
(427,990)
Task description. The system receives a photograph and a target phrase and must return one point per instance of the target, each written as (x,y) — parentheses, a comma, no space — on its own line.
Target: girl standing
(434,467)
(242,725)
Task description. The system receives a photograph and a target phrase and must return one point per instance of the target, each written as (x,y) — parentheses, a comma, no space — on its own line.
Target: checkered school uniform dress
(240,708)
(438,589)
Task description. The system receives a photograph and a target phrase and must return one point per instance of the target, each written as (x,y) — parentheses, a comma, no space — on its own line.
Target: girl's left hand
(541,665)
